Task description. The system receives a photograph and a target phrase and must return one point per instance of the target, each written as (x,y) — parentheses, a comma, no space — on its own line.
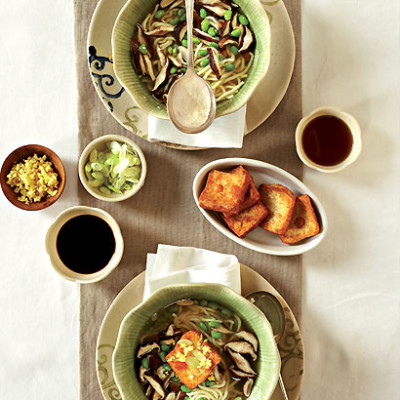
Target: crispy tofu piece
(280,201)
(192,359)
(251,197)
(225,191)
(304,223)
(247,220)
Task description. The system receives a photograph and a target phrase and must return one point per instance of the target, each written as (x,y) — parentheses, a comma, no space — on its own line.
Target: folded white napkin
(225,132)
(173,265)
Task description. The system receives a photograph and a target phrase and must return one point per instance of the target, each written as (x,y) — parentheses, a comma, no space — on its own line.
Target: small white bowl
(260,239)
(100,144)
(51,244)
(348,119)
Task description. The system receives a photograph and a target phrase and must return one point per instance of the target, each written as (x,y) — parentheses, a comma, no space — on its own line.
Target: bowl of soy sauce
(84,244)
(328,139)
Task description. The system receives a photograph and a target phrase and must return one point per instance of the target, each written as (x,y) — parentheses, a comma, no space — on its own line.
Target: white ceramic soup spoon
(191,101)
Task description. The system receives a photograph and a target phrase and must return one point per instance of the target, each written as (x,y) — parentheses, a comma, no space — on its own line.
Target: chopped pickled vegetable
(167,367)
(204,62)
(234,50)
(203,326)
(162,356)
(205,24)
(145,363)
(214,324)
(212,31)
(213,305)
(236,32)
(216,335)
(143,49)
(185,389)
(166,348)
(33,179)
(159,14)
(226,313)
(228,15)
(243,20)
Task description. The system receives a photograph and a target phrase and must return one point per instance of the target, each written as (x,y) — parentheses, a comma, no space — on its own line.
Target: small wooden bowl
(18,155)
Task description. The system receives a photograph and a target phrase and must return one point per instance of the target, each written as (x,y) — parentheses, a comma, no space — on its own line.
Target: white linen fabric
(173,264)
(225,132)
(39,312)
(351,320)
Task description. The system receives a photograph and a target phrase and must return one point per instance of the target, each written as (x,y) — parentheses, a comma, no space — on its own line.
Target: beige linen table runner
(164,210)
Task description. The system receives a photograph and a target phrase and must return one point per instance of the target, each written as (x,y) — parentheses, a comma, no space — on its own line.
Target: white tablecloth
(351,281)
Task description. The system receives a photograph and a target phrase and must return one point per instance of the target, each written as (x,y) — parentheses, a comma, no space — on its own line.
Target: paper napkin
(225,132)
(173,265)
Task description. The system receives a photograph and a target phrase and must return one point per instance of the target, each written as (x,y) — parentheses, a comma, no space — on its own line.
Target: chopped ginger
(33,179)
(192,359)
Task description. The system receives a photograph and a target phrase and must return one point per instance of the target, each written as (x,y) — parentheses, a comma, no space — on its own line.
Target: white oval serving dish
(259,239)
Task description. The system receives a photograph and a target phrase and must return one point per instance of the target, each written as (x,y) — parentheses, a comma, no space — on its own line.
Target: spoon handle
(189,4)
(282,386)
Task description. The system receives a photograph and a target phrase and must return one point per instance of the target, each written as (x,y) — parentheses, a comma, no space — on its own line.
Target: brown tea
(327,140)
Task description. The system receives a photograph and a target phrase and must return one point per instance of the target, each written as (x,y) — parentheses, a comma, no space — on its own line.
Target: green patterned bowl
(135,11)
(133,325)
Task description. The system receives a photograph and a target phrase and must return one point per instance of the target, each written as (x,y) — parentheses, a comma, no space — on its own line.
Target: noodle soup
(196,349)
(223,45)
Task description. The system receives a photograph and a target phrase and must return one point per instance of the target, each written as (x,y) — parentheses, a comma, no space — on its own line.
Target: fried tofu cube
(251,197)
(247,220)
(303,224)
(225,191)
(192,359)
(280,201)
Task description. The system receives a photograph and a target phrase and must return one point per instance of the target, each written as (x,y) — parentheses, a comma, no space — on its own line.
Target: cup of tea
(328,139)
(84,244)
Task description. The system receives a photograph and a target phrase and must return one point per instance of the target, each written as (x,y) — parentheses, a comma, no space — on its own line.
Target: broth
(327,140)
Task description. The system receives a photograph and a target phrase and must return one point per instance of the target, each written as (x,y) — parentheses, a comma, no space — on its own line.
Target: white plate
(263,102)
(290,346)
(259,239)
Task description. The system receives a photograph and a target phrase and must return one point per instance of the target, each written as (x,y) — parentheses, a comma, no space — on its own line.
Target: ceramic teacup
(354,129)
(58,264)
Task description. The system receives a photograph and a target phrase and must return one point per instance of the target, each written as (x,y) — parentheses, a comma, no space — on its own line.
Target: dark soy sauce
(327,140)
(85,244)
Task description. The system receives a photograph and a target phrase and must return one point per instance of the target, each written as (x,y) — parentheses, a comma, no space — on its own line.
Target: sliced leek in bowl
(112,168)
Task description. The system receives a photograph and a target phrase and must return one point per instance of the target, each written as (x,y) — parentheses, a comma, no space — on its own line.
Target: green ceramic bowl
(132,327)
(136,11)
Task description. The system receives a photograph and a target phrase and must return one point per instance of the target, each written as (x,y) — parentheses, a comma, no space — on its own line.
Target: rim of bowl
(51,244)
(28,150)
(128,78)
(218,291)
(353,126)
(113,197)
